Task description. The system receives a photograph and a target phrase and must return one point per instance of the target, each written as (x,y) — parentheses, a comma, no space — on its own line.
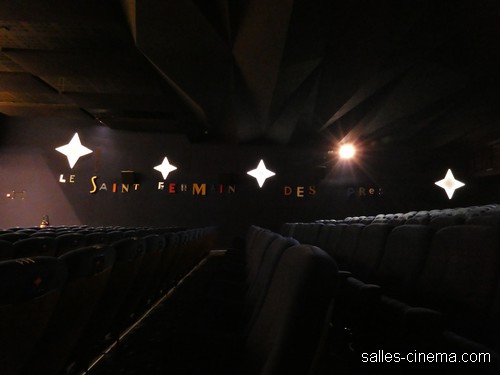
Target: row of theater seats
(460,214)
(432,287)
(54,241)
(264,309)
(57,312)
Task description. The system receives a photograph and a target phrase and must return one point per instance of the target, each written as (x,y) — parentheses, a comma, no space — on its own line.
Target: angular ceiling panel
(280,71)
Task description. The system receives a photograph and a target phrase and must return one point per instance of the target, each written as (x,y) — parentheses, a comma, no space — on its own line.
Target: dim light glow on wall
(165,168)
(261,173)
(449,184)
(74,150)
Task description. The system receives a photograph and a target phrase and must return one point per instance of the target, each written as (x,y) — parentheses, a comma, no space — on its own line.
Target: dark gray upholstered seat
(6,250)
(128,256)
(347,245)
(334,238)
(403,259)
(89,269)
(154,245)
(29,291)
(96,238)
(35,246)
(287,332)
(69,241)
(13,237)
(369,251)
(455,288)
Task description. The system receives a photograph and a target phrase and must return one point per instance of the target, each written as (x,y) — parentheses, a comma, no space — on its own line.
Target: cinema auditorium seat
(348,242)
(115,235)
(483,338)
(154,245)
(401,263)
(13,236)
(68,241)
(44,233)
(129,253)
(163,279)
(236,308)
(403,259)
(6,250)
(369,251)
(272,322)
(334,238)
(96,238)
(89,269)
(35,246)
(29,290)
(454,289)
(288,329)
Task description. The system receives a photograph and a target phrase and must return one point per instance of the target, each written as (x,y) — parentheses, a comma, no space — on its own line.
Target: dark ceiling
(388,72)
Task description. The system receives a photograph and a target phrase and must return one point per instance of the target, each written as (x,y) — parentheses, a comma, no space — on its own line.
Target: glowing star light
(261,173)
(74,150)
(165,168)
(449,184)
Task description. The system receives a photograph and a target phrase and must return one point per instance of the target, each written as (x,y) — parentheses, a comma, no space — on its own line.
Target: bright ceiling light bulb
(347,151)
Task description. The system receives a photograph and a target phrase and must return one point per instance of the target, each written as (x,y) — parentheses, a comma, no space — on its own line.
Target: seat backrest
(323,236)
(88,271)
(287,229)
(461,270)
(44,233)
(311,232)
(334,238)
(13,237)
(257,291)
(129,253)
(96,238)
(251,234)
(403,258)
(347,246)
(369,251)
(255,254)
(69,241)
(115,235)
(29,291)
(165,275)
(421,217)
(286,334)
(300,232)
(149,265)
(6,250)
(439,222)
(35,246)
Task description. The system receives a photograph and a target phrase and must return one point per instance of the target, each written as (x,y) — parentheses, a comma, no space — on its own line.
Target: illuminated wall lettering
(199,189)
(299,191)
(71,179)
(125,188)
(362,191)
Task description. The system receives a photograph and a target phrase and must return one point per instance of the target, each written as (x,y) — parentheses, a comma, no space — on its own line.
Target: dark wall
(307,186)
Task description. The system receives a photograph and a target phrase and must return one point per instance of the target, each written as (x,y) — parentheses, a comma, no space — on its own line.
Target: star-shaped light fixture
(449,184)
(74,150)
(261,173)
(165,168)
